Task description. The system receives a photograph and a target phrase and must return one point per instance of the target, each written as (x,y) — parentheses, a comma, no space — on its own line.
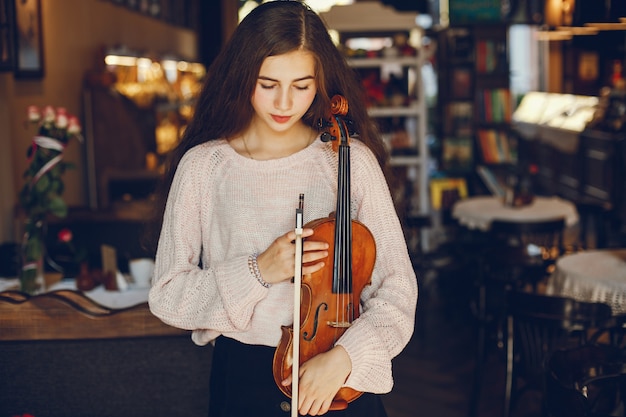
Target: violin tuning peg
(323,123)
(350,126)
(327,137)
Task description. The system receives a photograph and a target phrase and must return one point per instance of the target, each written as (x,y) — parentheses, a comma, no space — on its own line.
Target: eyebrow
(307,77)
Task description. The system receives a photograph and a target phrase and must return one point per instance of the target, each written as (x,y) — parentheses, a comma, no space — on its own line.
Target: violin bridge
(339,324)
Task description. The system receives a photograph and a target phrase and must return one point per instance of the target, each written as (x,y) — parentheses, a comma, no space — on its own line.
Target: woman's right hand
(277,262)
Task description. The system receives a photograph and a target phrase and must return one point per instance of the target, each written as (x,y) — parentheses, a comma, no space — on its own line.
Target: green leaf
(56,186)
(43,184)
(58,206)
(34,248)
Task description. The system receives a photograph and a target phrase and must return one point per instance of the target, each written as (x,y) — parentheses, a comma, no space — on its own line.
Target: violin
(329,298)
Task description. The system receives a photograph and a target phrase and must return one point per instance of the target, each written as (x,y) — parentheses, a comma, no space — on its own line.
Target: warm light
(578,30)
(559,12)
(554,35)
(144,63)
(198,69)
(608,26)
(143,69)
(170,68)
(182,65)
(117,60)
(173,65)
(325,5)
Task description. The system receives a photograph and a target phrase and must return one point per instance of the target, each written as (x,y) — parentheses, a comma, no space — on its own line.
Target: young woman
(226,256)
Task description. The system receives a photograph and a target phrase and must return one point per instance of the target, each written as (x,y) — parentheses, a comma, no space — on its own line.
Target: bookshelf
(475,106)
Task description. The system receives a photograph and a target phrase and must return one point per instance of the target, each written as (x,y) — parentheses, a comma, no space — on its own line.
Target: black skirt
(242,385)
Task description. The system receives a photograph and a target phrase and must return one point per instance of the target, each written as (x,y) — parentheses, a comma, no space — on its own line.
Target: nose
(283,100)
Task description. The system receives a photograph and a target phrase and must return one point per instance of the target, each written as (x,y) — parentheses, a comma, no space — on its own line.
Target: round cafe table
(596,276)
(479,212)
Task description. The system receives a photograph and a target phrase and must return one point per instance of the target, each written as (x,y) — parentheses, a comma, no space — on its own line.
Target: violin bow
(297,283)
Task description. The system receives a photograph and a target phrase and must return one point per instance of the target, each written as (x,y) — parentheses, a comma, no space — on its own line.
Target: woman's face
(284,90)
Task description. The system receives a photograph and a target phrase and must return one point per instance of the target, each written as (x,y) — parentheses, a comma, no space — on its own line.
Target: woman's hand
(277,263)
(320,379)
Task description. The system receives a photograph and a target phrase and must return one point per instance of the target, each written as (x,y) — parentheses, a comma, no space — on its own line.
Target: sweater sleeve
(213,299)
(388,305)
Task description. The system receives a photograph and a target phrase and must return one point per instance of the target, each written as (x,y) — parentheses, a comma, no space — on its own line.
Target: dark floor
(434,374)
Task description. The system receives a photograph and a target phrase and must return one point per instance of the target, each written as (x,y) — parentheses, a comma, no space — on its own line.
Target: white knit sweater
(222,207)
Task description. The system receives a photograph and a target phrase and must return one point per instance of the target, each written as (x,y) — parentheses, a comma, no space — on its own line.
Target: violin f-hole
(316,321)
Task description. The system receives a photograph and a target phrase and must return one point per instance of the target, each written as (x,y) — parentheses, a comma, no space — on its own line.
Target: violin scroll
(337,125)
(339,105)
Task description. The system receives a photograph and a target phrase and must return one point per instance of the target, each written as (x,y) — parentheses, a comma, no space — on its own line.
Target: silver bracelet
(254,269)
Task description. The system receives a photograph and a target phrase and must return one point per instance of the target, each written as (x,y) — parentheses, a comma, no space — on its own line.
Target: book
(494,105)
(496,147)
(494,186)
(460,115)
(457,154)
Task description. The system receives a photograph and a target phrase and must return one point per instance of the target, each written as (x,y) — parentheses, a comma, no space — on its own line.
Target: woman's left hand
(321,377)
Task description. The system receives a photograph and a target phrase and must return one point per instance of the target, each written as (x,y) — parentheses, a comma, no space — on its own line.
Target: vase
(32,278)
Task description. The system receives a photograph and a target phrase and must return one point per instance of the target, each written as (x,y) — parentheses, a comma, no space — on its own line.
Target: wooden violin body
(330,297)
(320,305)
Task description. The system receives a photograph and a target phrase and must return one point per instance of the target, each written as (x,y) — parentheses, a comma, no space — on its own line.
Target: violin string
(341,241)
(348,283)
(346,237)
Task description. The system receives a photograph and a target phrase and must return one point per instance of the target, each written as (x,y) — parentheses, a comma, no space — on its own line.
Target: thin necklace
(245,145)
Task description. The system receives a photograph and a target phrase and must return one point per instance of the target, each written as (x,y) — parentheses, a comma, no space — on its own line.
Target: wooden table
(69,314)
(598,276)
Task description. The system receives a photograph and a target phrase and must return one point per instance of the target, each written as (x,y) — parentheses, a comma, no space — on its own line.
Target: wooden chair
(526,251)
(519,255)
(588,381)
(61,354)
(537,325)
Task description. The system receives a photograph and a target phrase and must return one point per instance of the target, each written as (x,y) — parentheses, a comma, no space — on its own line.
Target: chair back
(524,253)
(585,381)
(539,324)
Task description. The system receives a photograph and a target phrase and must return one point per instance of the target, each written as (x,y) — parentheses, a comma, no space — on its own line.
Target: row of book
(494,105)
(497,147)
(490,55)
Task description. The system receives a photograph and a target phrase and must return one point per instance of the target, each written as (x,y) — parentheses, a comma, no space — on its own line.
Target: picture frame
(29,51)
(7,48)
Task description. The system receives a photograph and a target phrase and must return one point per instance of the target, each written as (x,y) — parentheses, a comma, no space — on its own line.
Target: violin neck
(342,270)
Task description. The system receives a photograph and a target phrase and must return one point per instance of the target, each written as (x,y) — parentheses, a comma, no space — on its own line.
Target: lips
(280,119)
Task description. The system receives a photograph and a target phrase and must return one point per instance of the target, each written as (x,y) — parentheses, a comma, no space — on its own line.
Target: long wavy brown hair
(224,107)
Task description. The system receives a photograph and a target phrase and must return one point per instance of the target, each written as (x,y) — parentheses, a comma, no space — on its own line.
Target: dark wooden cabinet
(602,166)
(591,174)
